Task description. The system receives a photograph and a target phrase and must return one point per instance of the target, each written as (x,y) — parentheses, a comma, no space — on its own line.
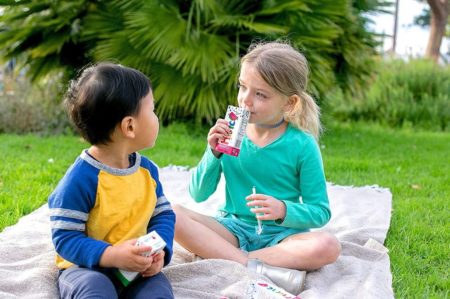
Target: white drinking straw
(259,228)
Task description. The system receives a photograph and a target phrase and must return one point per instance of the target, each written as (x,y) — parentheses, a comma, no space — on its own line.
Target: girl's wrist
(283,213)
(216,153)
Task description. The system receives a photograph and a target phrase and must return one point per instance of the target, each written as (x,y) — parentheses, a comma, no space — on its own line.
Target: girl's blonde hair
(286,70)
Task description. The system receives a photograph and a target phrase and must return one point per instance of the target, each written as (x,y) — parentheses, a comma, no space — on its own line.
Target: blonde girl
(281,159)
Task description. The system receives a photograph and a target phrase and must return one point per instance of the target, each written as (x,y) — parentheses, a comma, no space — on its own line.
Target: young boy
(111,195)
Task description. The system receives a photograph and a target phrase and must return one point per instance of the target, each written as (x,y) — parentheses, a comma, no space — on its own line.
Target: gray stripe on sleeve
(58,212)
(161,200)
(162,208)
(67,225)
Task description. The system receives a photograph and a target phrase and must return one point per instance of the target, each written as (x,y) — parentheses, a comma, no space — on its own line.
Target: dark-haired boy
(111,195)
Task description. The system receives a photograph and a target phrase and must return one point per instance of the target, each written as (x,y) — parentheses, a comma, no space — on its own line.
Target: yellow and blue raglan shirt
(95,206)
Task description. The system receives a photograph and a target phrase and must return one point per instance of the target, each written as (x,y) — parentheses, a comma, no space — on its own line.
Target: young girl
(280,160)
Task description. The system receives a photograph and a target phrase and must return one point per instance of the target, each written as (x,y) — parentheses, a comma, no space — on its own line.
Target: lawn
(413,164)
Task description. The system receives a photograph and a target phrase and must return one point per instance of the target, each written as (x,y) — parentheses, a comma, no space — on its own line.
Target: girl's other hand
(218,132)
(156,266)
(266,207)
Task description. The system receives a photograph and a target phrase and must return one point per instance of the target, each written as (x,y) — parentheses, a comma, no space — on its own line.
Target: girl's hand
(266,207)
(156,266)
(218,132)
(126,256)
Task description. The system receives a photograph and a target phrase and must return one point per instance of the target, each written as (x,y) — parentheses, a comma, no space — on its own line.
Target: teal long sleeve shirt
(289,169)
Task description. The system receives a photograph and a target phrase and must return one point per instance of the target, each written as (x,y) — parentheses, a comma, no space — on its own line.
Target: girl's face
(266,105)
(147,123)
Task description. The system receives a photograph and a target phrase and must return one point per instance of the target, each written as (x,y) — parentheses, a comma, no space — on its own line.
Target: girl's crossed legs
(205,236)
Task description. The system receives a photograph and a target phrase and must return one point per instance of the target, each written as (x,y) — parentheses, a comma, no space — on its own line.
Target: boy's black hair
(102,96)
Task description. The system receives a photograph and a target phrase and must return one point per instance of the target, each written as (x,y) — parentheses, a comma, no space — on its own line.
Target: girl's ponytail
(305,115)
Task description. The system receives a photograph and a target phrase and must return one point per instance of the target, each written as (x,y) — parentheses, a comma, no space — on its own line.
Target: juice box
(263,290)
(151,239)
(237,119)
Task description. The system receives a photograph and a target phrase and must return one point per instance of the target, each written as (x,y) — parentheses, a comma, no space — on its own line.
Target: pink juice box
(237,119)
(151,239)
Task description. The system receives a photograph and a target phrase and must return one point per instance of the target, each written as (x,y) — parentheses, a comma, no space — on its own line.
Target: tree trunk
(439,15)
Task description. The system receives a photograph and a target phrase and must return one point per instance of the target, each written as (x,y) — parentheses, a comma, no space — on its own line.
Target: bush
(415,93)
(28,108)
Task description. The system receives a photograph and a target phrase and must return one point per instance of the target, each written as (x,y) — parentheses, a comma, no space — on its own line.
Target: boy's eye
(238,85)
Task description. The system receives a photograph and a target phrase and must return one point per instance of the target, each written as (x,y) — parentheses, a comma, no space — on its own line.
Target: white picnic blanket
(361,218)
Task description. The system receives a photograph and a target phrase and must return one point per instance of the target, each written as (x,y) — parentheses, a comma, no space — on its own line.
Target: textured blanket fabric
(361,218)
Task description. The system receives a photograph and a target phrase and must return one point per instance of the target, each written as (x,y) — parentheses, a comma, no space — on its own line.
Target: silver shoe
(290,280)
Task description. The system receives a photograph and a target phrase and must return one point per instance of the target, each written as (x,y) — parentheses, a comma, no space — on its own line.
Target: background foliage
(414,93)
(190,49)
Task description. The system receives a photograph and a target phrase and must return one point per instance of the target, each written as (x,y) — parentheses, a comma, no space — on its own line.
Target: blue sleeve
(69,205)
(205,177)
(163,218)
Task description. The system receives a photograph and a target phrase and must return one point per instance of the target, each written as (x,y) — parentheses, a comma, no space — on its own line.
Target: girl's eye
(261,95)
(238,85)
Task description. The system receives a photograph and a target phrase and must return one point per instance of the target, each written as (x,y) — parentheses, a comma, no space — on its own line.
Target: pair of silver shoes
(290,280)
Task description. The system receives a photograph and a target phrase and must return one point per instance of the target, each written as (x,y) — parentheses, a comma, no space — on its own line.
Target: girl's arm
(205,177)
(314,211)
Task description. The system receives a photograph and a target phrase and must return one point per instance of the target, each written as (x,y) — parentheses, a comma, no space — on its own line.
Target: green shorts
(246,234)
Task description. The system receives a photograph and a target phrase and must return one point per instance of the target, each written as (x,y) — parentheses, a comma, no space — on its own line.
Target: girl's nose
(246,99)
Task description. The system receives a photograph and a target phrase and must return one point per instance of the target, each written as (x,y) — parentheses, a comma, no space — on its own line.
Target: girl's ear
(127,127)
(292,101)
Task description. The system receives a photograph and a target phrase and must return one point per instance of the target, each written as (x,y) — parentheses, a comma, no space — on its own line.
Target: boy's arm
(76,247)
(205,177)
(163,218)
(69,206)
(164,224)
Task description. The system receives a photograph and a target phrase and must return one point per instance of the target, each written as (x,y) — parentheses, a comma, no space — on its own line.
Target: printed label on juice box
(262,290)
(237,119)
(151,239)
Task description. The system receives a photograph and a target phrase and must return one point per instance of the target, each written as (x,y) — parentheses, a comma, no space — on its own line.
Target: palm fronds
(189,48)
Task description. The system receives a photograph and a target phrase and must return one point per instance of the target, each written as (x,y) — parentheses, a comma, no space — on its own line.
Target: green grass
(32,165)
(414,165)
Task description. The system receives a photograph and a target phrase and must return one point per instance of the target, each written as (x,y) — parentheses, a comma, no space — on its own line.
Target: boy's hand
(126,256)
(156,266)
(266,207)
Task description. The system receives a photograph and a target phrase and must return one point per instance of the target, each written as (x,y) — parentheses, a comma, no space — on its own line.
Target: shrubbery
(32,108)
(414,94)
(402,94)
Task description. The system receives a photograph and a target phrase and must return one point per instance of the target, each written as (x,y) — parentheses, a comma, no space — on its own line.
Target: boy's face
(148,123)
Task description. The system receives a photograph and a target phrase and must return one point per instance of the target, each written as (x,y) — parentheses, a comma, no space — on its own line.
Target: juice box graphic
(262,289)
(151,239)
(237,119)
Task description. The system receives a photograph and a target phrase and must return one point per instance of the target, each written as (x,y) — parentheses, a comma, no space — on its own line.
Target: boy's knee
(85,283)
(157,286)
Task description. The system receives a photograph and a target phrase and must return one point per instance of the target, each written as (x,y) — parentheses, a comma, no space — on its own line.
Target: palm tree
(189,48)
